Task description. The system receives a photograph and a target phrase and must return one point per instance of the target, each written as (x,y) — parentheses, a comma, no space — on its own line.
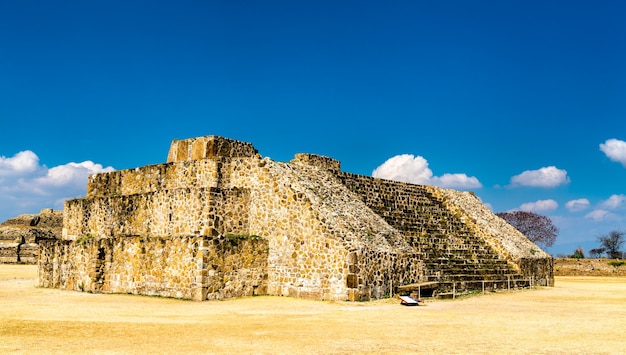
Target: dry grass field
(581,315)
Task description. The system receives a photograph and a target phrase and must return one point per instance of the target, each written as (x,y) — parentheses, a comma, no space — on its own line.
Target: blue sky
(521,102)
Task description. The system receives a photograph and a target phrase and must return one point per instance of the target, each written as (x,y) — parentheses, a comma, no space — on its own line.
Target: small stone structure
(218,220)
(19,236)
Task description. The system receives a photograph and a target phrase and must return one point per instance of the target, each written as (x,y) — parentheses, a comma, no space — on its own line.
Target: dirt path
(585,315)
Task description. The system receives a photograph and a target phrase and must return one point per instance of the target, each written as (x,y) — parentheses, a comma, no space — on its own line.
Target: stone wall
(154,178)
(218,221)
(195,268)
(208,147)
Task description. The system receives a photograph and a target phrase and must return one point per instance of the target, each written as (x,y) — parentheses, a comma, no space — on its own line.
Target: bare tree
(613,242)
(539,229)
(597,252)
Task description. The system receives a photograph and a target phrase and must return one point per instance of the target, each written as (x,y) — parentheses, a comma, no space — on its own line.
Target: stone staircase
(453,256)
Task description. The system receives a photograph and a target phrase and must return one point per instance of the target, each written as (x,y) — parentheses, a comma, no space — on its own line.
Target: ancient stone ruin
(218,220)
(19,236)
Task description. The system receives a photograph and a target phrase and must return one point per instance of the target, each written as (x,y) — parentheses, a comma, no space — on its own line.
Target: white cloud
(406,168)
(415,170)
(597,215)
(614,201)
(456,180)
(615,150)
(549,176)
(71,174)
(539,206)
(26,186)
(21,163)
(577,205)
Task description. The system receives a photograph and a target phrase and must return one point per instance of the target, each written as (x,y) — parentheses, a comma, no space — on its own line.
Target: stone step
(512,277)
(476,269)
(469,269)
(467,276)
(460,258)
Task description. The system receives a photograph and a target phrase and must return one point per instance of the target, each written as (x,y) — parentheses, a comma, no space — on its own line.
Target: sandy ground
(581,315)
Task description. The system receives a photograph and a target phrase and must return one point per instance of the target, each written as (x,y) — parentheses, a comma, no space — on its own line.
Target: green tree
(539,229)
(579,253)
